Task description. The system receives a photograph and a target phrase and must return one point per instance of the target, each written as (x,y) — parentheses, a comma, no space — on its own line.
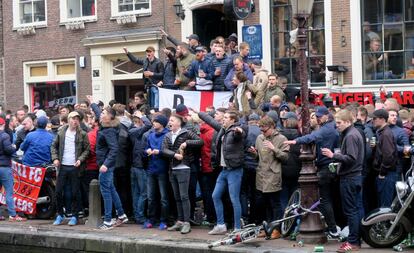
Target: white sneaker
(219,229)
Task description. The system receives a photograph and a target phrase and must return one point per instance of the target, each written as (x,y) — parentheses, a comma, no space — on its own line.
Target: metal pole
(311,227)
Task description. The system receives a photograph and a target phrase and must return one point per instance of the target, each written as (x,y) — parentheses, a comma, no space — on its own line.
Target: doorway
(210,22)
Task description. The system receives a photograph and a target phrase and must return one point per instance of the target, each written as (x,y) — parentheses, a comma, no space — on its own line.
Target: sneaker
(147,224)
(58,220)
(121,220)
(2,217)
(333,234)
(347,247)
(105,226)
(262,234)
(17,218)
(219,229)
(275,234)
(73,221)
(162,226)
(186,228)
(176,227)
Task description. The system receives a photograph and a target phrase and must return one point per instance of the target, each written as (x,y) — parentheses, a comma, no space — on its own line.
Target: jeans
(230,179)
(248,195)
(6,180)
(180,180)
(326,180)
(85,181)
(268,206)
(155,97)
(207,183)
(386,188)
(109,195)
(192,188)
(157,182)
(351,196)
(139,193)
(68,175)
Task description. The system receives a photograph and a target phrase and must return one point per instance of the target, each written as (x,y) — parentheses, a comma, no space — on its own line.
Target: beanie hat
(161,119)
(181,110)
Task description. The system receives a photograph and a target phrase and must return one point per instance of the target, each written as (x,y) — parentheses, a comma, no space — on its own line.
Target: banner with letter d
(197,100)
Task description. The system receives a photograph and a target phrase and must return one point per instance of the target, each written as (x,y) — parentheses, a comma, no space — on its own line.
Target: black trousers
(68,175)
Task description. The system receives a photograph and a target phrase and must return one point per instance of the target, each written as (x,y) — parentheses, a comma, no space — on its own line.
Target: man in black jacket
(230,153)
(351,159)
(385,161)
(153,72)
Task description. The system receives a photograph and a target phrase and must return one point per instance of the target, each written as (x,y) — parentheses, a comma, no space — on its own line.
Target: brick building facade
(52,56)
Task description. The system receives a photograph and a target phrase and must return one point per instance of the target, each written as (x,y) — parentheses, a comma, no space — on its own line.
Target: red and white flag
(197,100)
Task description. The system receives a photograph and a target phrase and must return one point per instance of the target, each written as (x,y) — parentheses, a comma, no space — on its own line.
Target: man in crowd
(239,66)
(70,149)
(351,159)
(201,71)
(153,72)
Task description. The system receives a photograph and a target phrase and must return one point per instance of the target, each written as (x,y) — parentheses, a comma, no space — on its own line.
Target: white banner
(197,100)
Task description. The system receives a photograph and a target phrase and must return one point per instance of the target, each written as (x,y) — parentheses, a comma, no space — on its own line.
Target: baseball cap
(254,116)
(381,113)
(193,37)
(199,48)
(257,62)
(73,114)
(321,110)
(289,115)
(150,48)
(42,122)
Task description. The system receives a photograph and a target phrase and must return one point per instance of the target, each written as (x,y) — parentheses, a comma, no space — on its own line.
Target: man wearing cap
(70,149)
(385,158)
(193,41)
(153,72)
(36,145)
(201,71)
(325,137)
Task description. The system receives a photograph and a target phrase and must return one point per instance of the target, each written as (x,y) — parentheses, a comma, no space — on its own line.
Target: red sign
(404,98)
(27,183)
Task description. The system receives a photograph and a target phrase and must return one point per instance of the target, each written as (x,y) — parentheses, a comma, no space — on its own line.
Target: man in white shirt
(70,150)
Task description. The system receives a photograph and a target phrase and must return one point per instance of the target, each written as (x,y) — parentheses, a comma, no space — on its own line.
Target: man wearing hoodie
(157,175)
(106,153)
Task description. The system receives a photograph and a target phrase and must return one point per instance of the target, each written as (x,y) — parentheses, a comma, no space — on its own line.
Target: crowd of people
(244,159)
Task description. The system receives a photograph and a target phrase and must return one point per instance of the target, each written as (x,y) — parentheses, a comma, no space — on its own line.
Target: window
(125,7)
(77,10)
(29,12)
(388,40)
(284,57)
(50,83)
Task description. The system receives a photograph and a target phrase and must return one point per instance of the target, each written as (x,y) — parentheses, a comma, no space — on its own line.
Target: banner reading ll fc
(197,100)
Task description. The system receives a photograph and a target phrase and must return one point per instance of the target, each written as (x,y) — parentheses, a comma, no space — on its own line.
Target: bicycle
(293,212)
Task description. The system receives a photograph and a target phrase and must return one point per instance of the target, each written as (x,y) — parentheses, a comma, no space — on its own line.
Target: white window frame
(116,13)
(64,13)
(16,17)
(51,75)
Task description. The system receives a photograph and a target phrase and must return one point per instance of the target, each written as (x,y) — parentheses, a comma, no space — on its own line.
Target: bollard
(94,219)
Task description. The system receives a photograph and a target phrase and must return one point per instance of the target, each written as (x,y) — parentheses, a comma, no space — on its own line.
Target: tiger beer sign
(27,183)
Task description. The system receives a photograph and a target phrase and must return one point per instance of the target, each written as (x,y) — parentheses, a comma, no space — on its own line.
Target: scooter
(46,202)
(388,226)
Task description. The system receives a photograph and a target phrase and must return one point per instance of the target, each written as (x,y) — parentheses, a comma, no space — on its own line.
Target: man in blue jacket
(157,175)
(239,66)
(325,137)
(202,70)
(36,145)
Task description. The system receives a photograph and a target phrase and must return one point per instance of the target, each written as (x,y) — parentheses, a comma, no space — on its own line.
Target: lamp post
(311,227)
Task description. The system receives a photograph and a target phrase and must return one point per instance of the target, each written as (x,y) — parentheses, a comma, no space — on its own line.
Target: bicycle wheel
(288,225)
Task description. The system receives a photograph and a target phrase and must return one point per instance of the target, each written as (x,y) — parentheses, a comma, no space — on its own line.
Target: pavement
(41,236)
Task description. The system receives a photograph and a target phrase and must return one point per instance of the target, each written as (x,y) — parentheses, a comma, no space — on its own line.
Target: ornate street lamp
(311,227)
(179,11)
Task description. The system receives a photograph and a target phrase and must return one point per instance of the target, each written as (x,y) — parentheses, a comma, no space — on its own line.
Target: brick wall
(341,29)
(55,42)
